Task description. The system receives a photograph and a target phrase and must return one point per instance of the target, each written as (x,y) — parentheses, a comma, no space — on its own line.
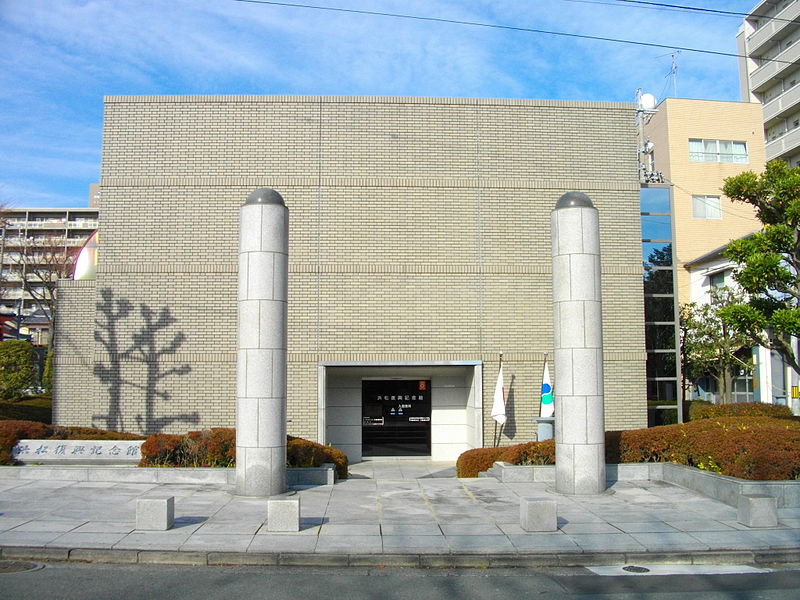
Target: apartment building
(769,73)
(30,239)
(419,251)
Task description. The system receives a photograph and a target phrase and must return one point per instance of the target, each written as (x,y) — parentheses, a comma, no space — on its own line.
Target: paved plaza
(393,512)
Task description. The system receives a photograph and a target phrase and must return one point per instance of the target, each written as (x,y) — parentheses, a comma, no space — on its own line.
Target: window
(723,151)
(706,207)
(717,280)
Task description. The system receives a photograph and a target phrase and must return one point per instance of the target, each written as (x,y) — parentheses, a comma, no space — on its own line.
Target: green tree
(768,262)
(710,346)
(47,372)
(18,369)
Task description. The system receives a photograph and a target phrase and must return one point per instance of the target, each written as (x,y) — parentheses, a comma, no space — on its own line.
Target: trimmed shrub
(13,431)
(18,369)
(706,410)
(303,453)
(33,408)
(208,448)
(217,448)
(162,450)
(753,448)
(475,461)
(537,453)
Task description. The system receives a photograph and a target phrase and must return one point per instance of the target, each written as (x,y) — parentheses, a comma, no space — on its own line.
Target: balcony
(761,77)
(781,105)
(772,28)
(47,224)
(83,224)
(784,145)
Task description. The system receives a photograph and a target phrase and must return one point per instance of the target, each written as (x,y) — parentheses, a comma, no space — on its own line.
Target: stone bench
(757,510)
(156,513)
(283,514)
(538,515)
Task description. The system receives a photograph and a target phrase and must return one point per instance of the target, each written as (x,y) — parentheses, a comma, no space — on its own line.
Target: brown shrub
(303,453)
(161,450)
(754,448)
(13,431)
(88,433)
(217,448)
(475,461)
(532,453)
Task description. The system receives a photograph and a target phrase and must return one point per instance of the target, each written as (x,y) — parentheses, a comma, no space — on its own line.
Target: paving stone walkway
(415,511)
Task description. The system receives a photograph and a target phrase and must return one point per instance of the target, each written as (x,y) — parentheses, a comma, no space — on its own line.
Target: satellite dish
(647,102)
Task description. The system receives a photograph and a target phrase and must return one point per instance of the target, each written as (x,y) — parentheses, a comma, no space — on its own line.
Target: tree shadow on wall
(145,347)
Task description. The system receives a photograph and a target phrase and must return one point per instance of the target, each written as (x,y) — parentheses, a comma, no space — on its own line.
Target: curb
(522,560)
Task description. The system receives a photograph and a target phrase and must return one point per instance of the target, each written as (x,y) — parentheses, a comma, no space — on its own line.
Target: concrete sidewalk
(403,513)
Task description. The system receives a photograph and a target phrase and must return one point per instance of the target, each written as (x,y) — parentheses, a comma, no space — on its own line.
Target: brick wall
(419,231)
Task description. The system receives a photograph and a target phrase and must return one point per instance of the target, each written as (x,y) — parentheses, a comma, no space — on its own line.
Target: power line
(655,6)
(713,11)
(502,27)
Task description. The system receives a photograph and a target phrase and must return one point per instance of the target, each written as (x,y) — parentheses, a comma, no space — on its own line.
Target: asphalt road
(57,581)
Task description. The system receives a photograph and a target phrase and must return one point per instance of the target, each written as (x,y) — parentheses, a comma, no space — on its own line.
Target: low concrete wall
(719,487)
(728,489)
(508,473)
(296,477)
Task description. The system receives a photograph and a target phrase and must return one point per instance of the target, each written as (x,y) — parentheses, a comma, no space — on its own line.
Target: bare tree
(40,262)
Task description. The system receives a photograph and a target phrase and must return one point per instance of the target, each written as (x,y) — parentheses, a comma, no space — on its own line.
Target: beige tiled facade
(419,235)
(677,121)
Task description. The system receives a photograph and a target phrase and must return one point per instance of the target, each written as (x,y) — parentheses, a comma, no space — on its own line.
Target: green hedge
(699,409)
(18,369)
(754,448)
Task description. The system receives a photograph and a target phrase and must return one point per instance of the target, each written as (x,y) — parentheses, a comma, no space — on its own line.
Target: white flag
(499,405)
(547,407)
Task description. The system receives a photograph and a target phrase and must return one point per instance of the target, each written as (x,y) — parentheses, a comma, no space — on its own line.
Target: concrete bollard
(283,514)
(578,341)
(538,515)
(757,510)
(155,514)
(261,356)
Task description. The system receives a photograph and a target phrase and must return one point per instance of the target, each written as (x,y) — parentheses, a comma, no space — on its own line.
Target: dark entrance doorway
(396,417)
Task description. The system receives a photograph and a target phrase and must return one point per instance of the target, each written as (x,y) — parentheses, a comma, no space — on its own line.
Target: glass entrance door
(396,417)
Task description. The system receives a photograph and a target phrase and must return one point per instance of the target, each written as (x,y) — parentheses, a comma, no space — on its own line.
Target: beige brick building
(419,249)
(697,144)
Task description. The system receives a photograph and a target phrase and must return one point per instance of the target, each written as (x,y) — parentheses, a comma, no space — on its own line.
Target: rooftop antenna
(673,71)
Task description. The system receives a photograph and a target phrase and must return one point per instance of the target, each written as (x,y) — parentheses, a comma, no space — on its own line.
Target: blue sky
(58,58)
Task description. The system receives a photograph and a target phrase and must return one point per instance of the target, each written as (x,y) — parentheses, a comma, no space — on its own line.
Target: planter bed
(719,487)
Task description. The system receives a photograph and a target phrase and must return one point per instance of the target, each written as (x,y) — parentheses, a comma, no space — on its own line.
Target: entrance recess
(396,417)
(348,393)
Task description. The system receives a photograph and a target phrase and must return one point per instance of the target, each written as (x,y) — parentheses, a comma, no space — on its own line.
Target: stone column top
(265,196)
(573,200)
